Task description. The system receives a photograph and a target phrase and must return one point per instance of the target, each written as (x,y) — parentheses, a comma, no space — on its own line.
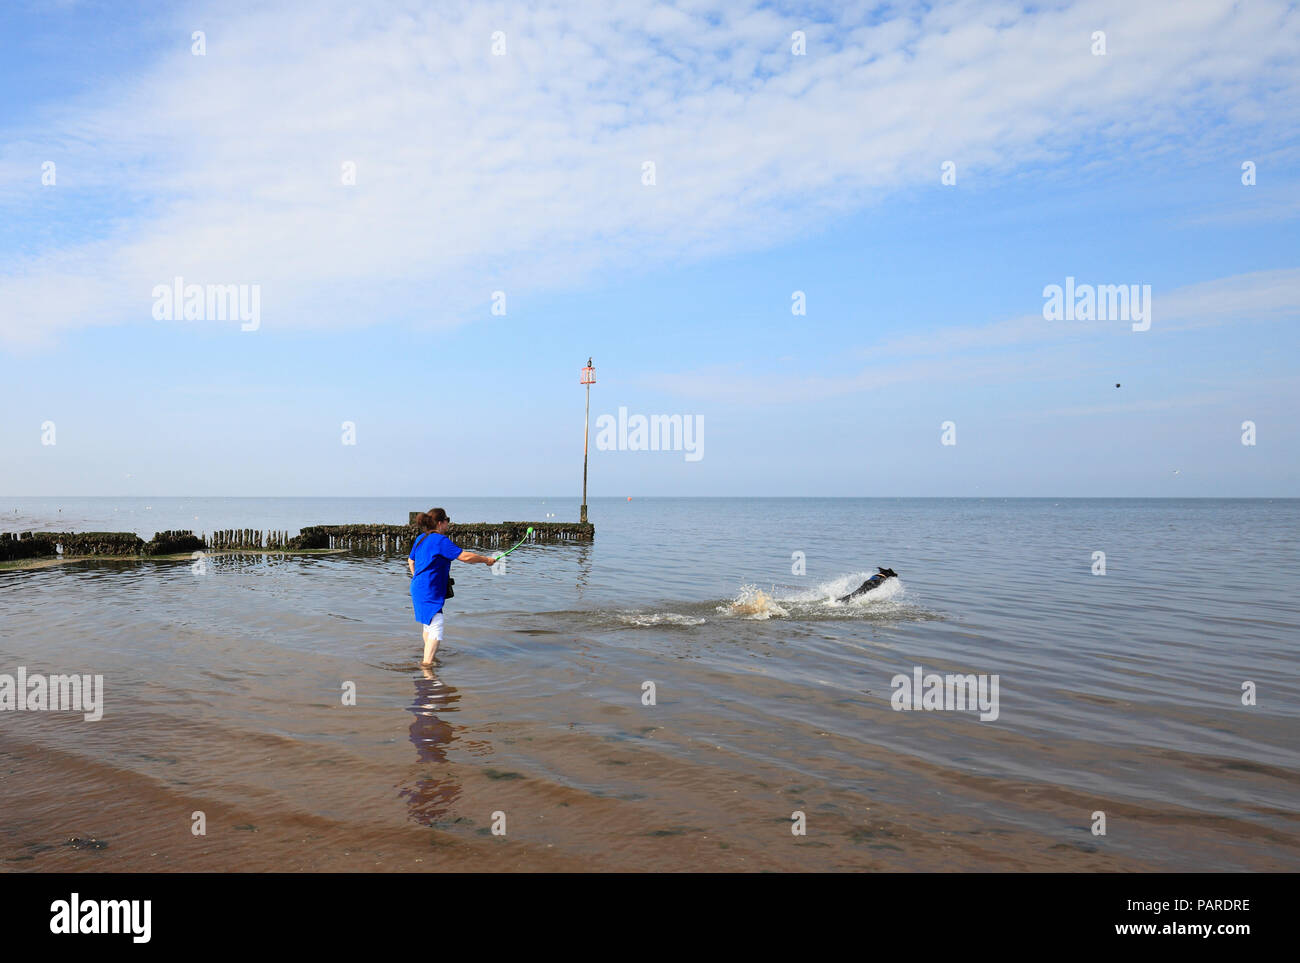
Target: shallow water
(1119,693)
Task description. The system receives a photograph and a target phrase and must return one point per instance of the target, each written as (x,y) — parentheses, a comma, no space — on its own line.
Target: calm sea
(1121,699)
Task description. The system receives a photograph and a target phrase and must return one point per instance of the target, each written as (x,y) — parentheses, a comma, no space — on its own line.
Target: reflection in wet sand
(584,570)
(431,796)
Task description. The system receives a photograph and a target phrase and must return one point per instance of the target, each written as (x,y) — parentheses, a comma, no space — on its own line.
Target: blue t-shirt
(432,557)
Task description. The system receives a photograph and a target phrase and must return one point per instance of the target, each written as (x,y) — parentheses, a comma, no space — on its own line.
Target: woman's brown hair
(428,521)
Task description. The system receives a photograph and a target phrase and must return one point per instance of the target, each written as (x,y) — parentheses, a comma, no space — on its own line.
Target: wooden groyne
(396,538)
(250,538)
(494,533)
(356,538)
(19,545)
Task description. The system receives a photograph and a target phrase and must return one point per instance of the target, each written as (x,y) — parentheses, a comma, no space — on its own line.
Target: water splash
(753,603)
(819,602)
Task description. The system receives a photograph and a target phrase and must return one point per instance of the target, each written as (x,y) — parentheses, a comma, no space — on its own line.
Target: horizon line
(684,497)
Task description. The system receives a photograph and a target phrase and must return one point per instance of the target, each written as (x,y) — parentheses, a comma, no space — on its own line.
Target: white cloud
(1243,298)
(521,172)
(1258,296)
(1182,402)
(735,384)
(1023,348)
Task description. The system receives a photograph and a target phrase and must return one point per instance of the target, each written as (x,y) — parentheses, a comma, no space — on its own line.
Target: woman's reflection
(431,795)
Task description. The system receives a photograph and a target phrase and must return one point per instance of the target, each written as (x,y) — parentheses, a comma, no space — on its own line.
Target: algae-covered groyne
(358,538)
(15,545)
(471,535)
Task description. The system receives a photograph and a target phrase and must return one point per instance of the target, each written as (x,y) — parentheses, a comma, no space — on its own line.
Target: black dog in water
(874,582)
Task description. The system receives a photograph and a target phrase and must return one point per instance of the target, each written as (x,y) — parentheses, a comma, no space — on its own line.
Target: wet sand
(620,788)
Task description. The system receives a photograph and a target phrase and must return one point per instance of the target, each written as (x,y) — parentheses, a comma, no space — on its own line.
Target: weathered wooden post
(588,379)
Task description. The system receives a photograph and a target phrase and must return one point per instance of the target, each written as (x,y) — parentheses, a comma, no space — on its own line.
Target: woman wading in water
(430,565)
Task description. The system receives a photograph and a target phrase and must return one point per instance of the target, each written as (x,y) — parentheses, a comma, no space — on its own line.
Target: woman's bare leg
(432,636)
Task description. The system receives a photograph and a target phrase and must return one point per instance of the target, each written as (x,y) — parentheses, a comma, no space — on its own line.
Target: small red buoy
(629,497)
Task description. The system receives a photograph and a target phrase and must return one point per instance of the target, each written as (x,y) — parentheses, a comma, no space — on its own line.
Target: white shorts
(434,628)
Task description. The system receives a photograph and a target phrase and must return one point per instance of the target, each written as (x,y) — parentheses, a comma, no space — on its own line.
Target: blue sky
(775,173)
